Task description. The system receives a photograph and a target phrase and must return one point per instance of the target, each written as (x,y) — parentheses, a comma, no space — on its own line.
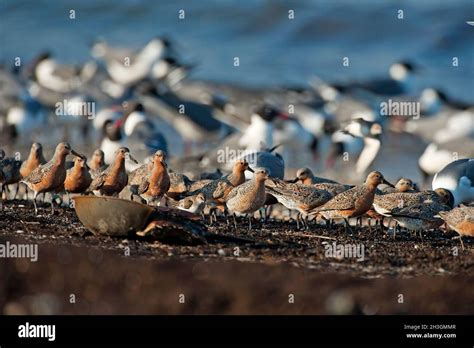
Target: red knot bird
(180,185)
(248,197)
(295,196)
(352,203)
(461,220)
(34,160)
(216,191)
(422,216)
(154,183)
(402,185)
(306,176)
(192,204)
(112,180)
(384,204)
(50,176)
(78,178)
(97,163)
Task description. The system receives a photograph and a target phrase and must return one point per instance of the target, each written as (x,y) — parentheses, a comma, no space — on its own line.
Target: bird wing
(143,187)
(220,187)
(423,211)
(343,201)
(187,203)
(135,175)
(37,174)
(237,190)
(99,179)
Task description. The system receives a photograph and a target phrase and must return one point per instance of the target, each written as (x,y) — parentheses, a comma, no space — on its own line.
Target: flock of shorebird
(309,195)
(338,125)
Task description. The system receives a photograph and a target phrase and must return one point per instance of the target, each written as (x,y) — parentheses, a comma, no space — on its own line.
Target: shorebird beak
(131,158)
(293,181)
(387,183)
(76,154)
(250,170)
(345,131)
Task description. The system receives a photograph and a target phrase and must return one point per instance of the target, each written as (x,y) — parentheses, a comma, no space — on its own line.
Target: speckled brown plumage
(193,204)
(460,219)
(296,196)
(248,197)
(420,216)
(50,176)
(112,180)
(353,202)
(153,185)
(385,204)
(216,191)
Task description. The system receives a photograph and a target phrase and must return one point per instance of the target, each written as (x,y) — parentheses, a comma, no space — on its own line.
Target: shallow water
(272,48)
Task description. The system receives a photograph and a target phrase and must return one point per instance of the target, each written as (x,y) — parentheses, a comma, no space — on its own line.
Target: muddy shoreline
(124,276)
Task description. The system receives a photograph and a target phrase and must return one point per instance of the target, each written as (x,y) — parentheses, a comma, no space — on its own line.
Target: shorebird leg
(460,239)
(226,215)
(268,212)
(52,203)
(347,226)
(16,191)
(214,213)
(250,222)
(68,199)
(298,221)
(369,220)
(26,192)
(328,223)
(235,221)
(34,201)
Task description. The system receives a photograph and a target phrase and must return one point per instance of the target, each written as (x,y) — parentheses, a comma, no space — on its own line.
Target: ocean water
(273,49)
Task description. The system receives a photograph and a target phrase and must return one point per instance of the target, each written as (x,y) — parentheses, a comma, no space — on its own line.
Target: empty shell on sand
(118,218)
